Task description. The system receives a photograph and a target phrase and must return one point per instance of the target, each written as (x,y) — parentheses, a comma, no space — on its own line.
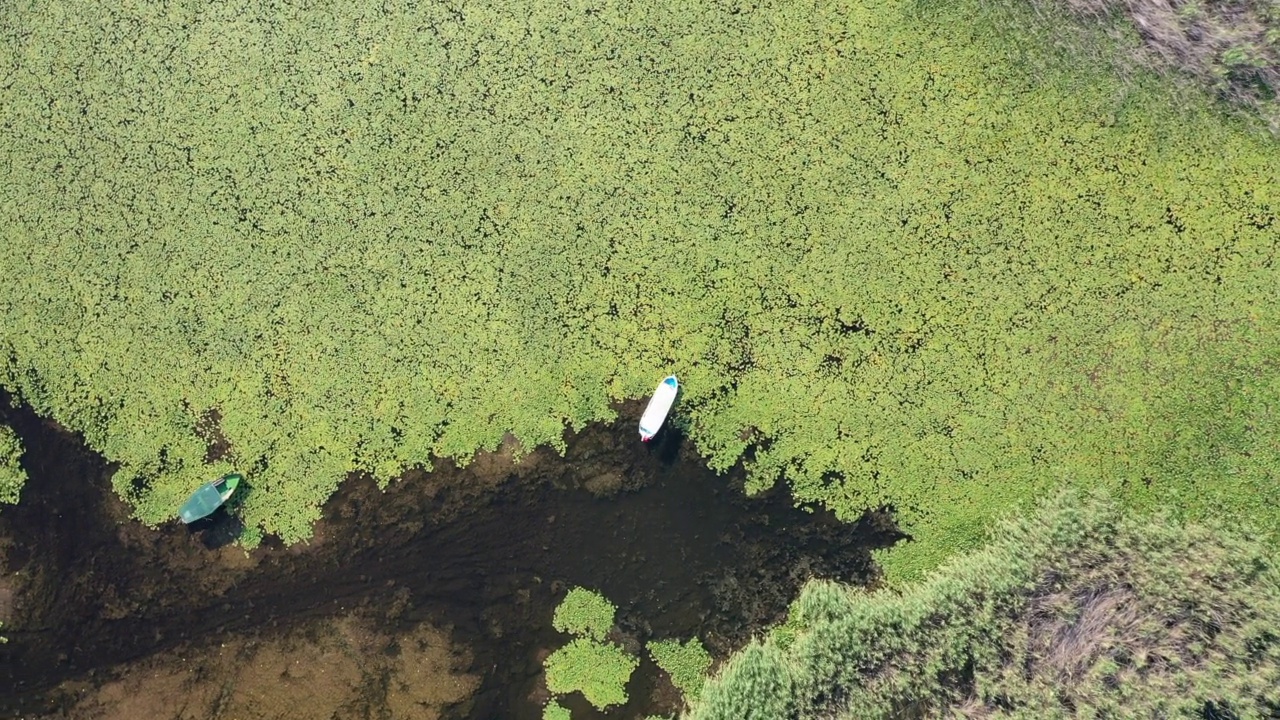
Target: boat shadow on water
(220,529)
(667,444)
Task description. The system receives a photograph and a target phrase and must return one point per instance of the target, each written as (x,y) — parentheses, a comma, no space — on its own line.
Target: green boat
(209,497)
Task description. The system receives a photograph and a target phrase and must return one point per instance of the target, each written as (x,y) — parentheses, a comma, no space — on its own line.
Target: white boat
(659,406)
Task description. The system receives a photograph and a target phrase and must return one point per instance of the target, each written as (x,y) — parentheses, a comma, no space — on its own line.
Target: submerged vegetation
(12,476)
(895,264)
(1079,611)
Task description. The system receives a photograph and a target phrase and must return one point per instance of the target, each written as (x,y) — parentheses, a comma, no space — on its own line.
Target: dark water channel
(486,551)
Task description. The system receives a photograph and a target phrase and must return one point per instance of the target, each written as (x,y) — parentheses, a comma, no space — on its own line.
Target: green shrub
(12,476)
(600,671)
(1081,610)
(584,612)
(687,664)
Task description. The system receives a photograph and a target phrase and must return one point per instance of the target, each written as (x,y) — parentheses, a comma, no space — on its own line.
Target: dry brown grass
(1228,47)
(1105,625)
(1071,631)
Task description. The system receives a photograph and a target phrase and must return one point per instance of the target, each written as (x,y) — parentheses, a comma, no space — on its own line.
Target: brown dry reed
(1230,48)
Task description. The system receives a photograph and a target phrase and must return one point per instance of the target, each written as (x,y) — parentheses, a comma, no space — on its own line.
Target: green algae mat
(896,259)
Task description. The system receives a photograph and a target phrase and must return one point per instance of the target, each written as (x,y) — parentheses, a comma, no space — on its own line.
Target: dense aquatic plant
(1081,610)
(584,612)
(686,663)
(599,670)
(894,265)
(12,476)
(555,711)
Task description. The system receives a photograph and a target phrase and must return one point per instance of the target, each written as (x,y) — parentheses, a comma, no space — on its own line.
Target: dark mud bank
(485,550)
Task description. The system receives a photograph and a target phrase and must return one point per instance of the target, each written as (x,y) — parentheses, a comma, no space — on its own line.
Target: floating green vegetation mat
(590,664)
(599,670)
(687,663)
(555,711)
(584,612)
(890,259)
(12,476)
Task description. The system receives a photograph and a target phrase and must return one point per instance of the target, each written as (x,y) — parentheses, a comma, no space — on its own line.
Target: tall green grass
(1080,610)
(1228,50)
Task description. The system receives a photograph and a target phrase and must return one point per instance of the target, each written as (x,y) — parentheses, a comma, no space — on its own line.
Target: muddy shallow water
(430,599)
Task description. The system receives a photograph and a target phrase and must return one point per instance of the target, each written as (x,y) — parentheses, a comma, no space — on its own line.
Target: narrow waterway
(476,558)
